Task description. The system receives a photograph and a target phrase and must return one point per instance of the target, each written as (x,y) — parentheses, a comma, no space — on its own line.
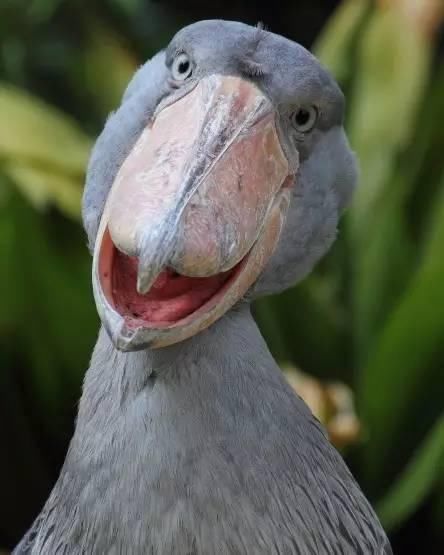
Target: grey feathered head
(221,177)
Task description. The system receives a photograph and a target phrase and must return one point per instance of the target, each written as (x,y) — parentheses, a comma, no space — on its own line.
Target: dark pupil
(302,117)
(184,66)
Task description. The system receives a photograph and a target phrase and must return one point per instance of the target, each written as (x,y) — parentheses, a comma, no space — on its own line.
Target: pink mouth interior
(172,297)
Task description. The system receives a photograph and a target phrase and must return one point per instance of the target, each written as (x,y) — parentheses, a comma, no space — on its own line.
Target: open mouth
(172,299)
(193,215)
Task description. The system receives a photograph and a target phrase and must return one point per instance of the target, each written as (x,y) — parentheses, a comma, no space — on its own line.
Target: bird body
(207,453)
(200,446)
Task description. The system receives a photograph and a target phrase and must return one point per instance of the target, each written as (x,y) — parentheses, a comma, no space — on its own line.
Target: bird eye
(181,68)
(303,119)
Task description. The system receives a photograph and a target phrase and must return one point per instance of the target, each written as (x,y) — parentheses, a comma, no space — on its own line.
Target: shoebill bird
(220,178)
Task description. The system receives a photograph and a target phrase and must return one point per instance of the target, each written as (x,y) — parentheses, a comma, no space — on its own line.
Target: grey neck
(224,372)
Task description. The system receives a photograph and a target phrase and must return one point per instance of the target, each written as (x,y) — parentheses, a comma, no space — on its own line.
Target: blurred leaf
(423,159)
(127,6)
(333,45)
(42,10)
(109,65)
(394,59)
(297,321)
(43,187)
(33,131)
(381,268)
(417,480)
(267,317)
(58,321)
(438,513)
(10,312)
(395,371)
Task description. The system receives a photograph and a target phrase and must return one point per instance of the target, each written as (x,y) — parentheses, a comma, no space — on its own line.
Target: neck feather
(201,445)
(222,372)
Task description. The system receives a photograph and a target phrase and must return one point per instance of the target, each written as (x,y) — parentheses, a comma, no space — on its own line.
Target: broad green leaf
(267,315)
(332,47)
(11,301)
(42,10)
(33,131)
(58,321)
(108,64)
(392,74)
(438,510)
(391,77)
(129,7)
(420,165)
(22,293)
(43,187)
(381,267)
(416,481)
(297,322)
(414,331)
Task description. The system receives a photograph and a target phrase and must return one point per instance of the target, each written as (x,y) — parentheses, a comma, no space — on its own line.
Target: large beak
(193,215)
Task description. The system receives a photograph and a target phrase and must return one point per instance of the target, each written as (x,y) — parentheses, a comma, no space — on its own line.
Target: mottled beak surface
(193,215)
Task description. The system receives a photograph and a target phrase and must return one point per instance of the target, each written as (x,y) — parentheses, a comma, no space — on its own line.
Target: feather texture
(212,454)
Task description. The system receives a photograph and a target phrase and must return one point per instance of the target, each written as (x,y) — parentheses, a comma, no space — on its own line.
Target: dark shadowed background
(371,316)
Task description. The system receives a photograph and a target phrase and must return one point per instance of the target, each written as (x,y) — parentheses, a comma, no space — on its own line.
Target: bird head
(221,177)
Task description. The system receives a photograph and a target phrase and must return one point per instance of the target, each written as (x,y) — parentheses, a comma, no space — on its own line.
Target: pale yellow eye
(182,67)
(304,119)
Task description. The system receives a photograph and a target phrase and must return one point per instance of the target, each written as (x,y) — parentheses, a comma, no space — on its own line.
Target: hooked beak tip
(143,283)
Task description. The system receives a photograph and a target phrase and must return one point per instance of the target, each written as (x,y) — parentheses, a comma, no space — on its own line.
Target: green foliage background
(372,314)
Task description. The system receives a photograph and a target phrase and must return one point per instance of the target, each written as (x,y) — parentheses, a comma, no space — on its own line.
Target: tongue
(171,298)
